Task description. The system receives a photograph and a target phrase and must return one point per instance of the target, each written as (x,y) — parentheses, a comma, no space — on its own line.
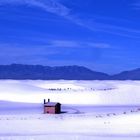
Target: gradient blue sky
(103,35)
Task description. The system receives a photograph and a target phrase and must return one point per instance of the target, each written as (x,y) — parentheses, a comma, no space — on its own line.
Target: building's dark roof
(51,104)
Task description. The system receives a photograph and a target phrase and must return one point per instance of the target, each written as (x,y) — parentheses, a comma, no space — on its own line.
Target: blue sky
(103,35)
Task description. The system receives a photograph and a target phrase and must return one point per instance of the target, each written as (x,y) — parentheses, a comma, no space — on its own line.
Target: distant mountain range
(128,75)
(39,72)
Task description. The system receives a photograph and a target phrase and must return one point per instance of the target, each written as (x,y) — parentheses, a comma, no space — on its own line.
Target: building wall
(49,110)
(52,109)
(58,109)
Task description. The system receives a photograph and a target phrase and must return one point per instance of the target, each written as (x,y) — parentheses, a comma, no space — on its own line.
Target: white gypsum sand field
(94,110)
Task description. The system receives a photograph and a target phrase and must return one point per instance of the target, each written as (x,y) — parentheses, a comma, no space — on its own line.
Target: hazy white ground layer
(72,92)
(91,110)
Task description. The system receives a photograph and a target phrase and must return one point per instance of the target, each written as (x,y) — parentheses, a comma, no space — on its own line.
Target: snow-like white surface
(21,121)
(93,110)
(72,92)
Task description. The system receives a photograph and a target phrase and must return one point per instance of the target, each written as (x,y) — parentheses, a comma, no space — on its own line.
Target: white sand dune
(73,92)
(95,110)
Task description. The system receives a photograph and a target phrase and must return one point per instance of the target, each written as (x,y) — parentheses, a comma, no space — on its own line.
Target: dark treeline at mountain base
(39,72)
